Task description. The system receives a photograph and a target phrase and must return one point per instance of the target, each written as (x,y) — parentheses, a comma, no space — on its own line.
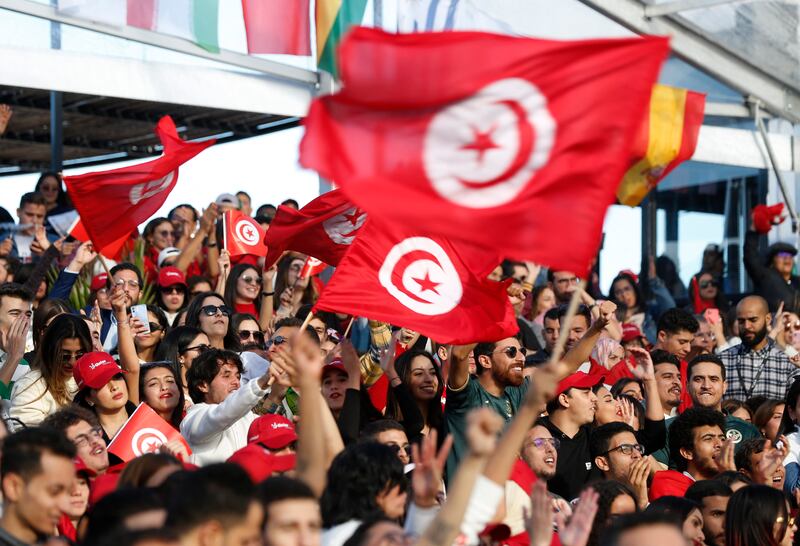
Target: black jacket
(768,282)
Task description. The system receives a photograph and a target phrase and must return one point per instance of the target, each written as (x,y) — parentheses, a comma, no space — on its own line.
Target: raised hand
(224,262)
(13,341)
(119,302)
(84,255)
(6,245)
(576,533)
(40,243)
(177,449)
(637,480)
(387,357)
(426,479)
(483,428)
(539,521)
(208,219)
(628,413)
(644,369)
(726,461)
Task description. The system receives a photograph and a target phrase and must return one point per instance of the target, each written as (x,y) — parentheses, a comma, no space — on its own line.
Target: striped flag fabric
(334,18)
(194,20)
(277,26)
(667,138)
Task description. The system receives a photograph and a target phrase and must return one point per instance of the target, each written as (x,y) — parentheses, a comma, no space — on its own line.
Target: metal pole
(377,11)
(648,240)
(56,108)
(774,164)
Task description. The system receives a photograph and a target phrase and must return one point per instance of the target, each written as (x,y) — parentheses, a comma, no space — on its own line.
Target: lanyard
(749,392)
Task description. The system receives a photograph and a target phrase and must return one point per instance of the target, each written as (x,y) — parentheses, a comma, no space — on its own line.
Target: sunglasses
(66,358)
(511,352)
(707,284)
(211,310)
(166,233)
(277,341)
(200,348)
(257,335)
(250,280)
(155,327)
(174,289)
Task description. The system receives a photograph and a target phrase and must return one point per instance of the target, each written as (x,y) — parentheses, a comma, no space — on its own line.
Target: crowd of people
(669,415)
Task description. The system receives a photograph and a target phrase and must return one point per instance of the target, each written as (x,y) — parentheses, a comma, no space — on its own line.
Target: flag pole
(224,232)
(566,323)
(104,264)
(349,325)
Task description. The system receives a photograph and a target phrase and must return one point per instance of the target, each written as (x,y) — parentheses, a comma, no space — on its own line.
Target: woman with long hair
(768,418)
(172,292)
(687,514)
(415,397)
(290,290)
(49,385)
(160,388)
(627,294)
(614,500)
(211,315)
(51,188)
(705,293)
(103,391)
(181,346)
(758,515)
(158,234)
(243,289)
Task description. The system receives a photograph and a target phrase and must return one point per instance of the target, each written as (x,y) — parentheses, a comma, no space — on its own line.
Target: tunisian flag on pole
(113,203)
(425,283)
(514,144)
(324,228)
(277,26)
(243,235)
(144,432)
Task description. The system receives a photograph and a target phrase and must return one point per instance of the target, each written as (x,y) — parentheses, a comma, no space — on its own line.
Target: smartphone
(140,312)
(712,316)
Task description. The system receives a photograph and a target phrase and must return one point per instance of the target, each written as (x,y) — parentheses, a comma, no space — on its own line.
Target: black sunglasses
(255,334)
(174,289)
(706,284)
(155,327)
(511,352)
(211,310)
(277,340)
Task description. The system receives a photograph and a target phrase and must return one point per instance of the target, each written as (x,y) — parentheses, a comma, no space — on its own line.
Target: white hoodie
(216,431)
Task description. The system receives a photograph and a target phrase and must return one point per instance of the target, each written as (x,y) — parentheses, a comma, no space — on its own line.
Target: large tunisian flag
(425,283)
(113,203)
(324,228)
(514,144)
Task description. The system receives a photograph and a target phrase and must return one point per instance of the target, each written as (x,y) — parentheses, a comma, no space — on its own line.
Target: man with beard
(676,331)
(701,451)
(498,384)
(569,419)
(713,497)
(619,456)
(537,461)
(757,367)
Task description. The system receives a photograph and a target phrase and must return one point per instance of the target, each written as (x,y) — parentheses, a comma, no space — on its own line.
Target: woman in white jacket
(216,425)
(49,385)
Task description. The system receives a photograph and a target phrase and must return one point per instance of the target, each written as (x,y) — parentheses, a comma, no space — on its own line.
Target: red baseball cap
(99,281)
(260,464)
(94,370)
(335,364)
(630,332)
(579,380)
(272,431)
(170,276)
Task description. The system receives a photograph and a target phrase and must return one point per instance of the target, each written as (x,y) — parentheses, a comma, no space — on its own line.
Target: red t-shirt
(669,483)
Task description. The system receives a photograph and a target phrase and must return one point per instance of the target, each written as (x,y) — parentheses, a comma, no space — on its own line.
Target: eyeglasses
(277,340)
(83,440)
(627,449)
(397,448)
(511,352)
(211,310)
(250,280)
(200,348)
(707,284)
(131,284)
(781,519)
(255,334)
(174,289)
(541,443)
(155,327)
(66,357)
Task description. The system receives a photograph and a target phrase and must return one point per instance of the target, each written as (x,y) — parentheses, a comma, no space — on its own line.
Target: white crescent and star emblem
(419,274)
(145,190)
(484,150)
(147,440)
(246,232)
(343,228)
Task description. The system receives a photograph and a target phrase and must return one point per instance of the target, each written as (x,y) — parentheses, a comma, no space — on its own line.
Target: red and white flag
(112,250)
(325,228)
(519,150)
(311,267)
(277,26)
(429,284)
(243,235)
(113,203)
(143,432)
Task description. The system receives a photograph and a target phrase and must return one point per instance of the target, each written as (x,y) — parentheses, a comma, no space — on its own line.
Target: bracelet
(211,245)
(526,286)
(267,294)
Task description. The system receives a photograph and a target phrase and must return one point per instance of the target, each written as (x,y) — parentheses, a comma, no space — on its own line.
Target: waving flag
(324,228)
(113,203)
(667,137)
(497,151)
(425,283)
(277,26)
(143,432)
(334,18)
(242,234)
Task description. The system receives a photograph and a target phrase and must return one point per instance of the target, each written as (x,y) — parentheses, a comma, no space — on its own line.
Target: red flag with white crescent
(519,150)
(311,267)
(243,235)
(144,432)
(113,203)
(429,284)
(324,228)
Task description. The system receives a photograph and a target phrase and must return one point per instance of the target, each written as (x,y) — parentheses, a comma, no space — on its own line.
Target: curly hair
(677,320)
(355,479)
(681,432)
